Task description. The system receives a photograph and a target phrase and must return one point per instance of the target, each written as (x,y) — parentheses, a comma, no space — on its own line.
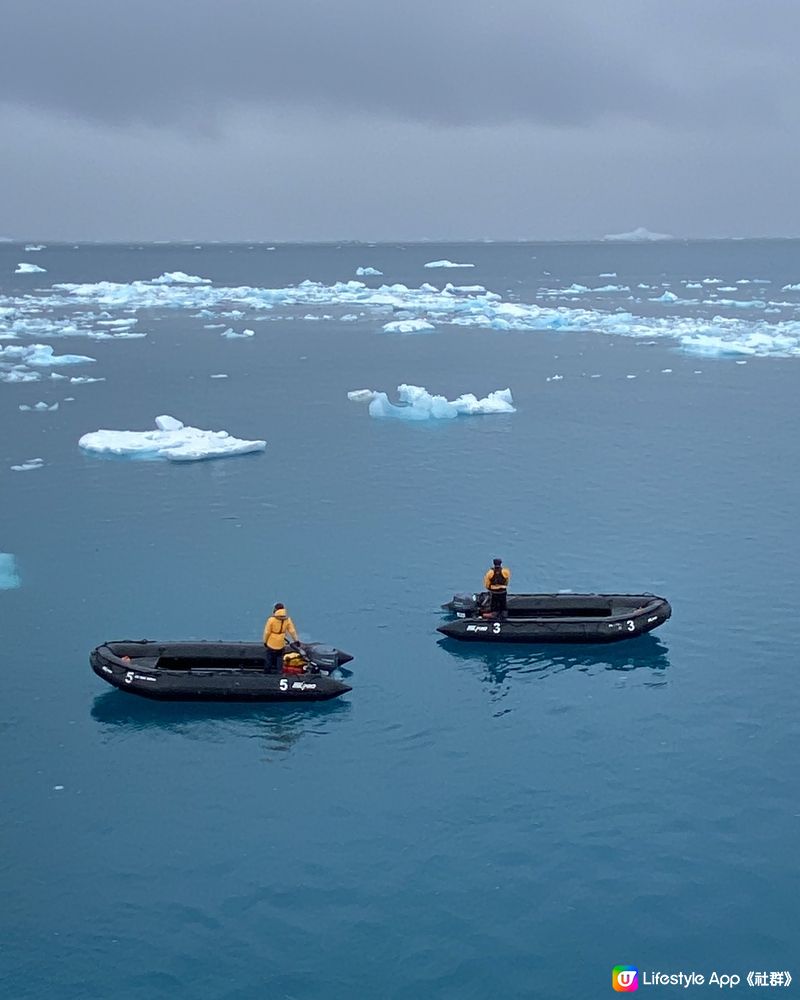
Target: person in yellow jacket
(496,581)
(275,631)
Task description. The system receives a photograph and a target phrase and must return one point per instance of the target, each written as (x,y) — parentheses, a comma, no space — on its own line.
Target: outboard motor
(322,657)
(464,605)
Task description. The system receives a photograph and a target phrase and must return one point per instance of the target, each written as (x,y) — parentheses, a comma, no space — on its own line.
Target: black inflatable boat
(216,671)
(556,617)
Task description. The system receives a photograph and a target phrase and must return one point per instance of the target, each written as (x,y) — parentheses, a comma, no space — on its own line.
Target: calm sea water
(470,821)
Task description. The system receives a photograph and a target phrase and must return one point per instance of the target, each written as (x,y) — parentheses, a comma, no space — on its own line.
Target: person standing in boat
(496,582)
(275,631)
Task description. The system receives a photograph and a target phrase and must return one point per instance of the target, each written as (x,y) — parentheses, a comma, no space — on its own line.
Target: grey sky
(312,119)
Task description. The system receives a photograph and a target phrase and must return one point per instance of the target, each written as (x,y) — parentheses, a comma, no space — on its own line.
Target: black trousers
(274,660)
(498,605)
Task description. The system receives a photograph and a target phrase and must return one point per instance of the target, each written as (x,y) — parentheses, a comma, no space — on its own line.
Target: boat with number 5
(566,618)
(218,671)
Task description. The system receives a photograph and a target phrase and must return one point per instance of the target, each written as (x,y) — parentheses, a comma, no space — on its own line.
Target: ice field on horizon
(171,439)
(705,315)
(697,324)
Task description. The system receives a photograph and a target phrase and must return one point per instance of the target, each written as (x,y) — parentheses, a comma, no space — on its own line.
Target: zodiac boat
(216,671)
(556,617)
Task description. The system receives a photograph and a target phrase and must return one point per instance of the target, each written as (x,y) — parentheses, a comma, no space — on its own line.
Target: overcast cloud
(314,119)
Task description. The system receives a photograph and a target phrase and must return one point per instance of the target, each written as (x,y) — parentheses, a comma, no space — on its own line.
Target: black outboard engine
(322,657)
(464,605)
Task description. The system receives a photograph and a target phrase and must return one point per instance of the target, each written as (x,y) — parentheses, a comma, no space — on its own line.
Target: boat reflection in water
(277,726)
(501,663)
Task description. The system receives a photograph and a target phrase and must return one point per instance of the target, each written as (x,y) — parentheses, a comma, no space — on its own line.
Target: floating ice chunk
(40,407)
(408,326)
(28,465)
(218,376)
(171,440)
(348,318)
(9,579)
(608,274)
(416,403)
(180,278)
(694,284)
(666,297)
(446,263)
(790,288)
(41,356)
(712,281)
(19,374)
(365,271)
(25,268)
(555,378)
(33,247)
(231,334)
(84,380)
(638,235)
(666,371)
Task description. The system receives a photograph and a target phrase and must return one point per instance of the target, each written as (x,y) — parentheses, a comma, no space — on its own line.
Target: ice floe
(171,440)
(28,465)
(9,578)
(231,334)
(446,263)
(41,356)
(408,326)
(638,235)
(25,268)
(416,403)
(33,247)
(363,272)
(39,407)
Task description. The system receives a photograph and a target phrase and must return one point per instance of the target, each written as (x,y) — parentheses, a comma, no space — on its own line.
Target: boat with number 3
(564,618)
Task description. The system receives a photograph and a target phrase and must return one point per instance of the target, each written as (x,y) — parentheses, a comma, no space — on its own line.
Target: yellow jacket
(278,624)
(487,580)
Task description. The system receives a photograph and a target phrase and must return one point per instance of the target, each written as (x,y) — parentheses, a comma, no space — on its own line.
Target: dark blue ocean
(471,821)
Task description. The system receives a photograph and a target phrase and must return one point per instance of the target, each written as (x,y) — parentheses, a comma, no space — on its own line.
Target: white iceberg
(408,326)
(171,440)
(33,247)
(446,263)
(638,235)
(40,407)
(25,268)
(416,403)
(367,271)
(231,334)
(9,579)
